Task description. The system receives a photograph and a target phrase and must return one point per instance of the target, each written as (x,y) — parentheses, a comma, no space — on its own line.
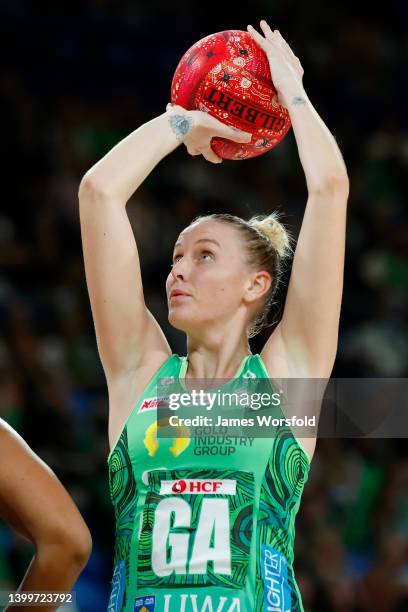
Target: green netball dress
(205,522)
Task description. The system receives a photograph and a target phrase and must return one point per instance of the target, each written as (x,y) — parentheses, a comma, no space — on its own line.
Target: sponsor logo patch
(274,568)
(180,443)
(198,487)
(151,403)
(249,374)
(118,587)
(145,604)
(199,603)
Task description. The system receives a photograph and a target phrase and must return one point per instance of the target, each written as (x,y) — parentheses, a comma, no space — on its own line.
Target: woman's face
(209,269)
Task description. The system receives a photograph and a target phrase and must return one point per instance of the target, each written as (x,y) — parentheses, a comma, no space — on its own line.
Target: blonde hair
(268,244)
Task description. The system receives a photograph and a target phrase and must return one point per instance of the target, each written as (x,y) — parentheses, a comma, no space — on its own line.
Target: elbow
(80,548)
(77,545)
(337,182)
(92,188)
(72,543)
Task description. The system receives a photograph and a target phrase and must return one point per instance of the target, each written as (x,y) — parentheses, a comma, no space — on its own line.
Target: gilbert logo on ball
(228,75)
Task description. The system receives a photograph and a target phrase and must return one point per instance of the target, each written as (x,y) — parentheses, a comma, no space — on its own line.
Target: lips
(179,293)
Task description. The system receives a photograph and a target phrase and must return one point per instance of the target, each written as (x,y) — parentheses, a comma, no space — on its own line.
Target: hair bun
(274,231)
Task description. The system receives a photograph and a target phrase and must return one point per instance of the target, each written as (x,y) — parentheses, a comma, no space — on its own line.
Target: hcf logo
(179,486)
(197,487)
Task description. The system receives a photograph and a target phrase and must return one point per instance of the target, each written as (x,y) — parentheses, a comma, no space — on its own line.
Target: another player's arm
(307,335)
(35,504)
(127,334)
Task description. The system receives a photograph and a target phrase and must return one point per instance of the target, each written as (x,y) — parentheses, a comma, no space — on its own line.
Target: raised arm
(307,335)
(123,325)
(127,334)
(35,504)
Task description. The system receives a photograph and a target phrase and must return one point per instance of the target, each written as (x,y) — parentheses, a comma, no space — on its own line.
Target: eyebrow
(201,240)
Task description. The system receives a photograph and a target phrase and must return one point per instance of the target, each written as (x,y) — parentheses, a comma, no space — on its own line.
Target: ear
(257,286)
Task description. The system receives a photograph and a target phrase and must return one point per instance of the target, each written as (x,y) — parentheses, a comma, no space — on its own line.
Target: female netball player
(214,530)
(35,504)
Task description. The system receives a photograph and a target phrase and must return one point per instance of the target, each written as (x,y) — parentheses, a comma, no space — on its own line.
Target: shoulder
(277,370)
(131,384)
(128,388)
(10,437)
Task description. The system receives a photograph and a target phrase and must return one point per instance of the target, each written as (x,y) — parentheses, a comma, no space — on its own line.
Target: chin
(180,322)
(177,321)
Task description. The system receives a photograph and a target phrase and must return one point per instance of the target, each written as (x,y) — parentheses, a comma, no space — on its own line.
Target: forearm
(126,166)
(52,569)
(318,151)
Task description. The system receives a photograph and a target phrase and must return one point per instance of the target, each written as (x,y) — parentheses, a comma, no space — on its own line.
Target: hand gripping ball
(228,75)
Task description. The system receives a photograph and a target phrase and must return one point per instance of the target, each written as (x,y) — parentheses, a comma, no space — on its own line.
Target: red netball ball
(228,75)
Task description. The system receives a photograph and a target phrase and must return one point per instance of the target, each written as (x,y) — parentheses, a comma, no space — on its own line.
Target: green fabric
(203,551)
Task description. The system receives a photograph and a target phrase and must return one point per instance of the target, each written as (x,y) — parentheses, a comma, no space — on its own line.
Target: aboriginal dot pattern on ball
(228,75)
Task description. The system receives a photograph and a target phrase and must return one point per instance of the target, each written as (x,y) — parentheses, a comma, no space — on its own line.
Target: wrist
(180,121)
(293,94)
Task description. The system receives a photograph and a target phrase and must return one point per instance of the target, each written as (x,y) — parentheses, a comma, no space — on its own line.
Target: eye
(206,254)
(175,259)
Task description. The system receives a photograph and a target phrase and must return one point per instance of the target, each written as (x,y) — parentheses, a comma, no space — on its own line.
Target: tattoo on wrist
(180,125)
(297,100)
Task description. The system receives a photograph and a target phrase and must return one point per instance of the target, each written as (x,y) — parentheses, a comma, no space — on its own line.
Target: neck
(210,359)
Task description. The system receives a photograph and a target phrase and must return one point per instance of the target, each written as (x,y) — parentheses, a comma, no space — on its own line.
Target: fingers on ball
(193,151)
(211,156)
(255,34)
(238,135)
(265,27)
(245,138)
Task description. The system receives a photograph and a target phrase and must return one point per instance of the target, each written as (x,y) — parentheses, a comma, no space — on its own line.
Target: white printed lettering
(162,537)
(214,518)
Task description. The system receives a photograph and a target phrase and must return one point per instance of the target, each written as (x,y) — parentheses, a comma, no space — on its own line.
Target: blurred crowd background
(78,76)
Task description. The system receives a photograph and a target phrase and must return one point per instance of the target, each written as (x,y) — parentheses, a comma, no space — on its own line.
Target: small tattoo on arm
(180,125)
(298,100)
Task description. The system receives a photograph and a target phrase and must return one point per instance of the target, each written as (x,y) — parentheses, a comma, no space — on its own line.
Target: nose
(179,270)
